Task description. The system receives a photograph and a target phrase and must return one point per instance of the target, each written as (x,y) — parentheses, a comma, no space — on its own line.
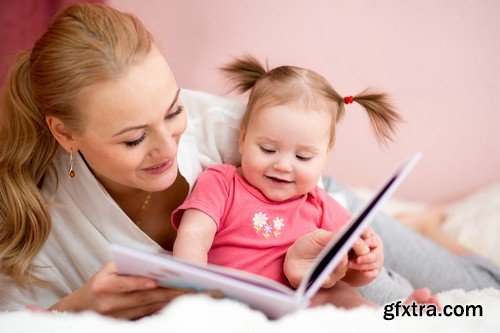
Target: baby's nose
(283,166)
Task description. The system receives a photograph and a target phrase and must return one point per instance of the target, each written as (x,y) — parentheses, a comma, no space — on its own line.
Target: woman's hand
(301,255)
(118,296)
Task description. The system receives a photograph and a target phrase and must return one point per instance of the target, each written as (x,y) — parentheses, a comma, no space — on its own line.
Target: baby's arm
(195,236)
(366,259)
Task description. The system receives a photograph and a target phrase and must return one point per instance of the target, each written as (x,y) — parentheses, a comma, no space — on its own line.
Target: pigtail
(26,149)
(244,72)
(381,112)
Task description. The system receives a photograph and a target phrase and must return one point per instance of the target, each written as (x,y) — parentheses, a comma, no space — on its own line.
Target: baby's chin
(281,197)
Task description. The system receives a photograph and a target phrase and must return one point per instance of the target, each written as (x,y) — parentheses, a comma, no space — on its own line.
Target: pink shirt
(253,232)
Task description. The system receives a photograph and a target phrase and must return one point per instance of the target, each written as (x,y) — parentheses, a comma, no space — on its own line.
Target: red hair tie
(348,99)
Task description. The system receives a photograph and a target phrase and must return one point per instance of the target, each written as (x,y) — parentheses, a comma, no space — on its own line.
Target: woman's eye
(177,111)
(303,158)
(267,150)
(135,142)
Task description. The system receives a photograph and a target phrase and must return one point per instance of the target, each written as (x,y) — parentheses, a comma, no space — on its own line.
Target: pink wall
(21,24)
(440,60)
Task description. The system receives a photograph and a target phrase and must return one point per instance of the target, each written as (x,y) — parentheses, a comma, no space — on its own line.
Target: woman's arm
(134,297)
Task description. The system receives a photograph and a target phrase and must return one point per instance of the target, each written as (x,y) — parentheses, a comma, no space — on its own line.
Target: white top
(86,220)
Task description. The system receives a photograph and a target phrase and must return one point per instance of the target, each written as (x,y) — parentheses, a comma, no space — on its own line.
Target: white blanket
(202,314)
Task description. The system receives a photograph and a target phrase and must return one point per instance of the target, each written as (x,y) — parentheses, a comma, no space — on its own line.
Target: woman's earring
(71,172)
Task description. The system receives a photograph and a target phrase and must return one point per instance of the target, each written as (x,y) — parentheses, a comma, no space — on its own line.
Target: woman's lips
(160,168)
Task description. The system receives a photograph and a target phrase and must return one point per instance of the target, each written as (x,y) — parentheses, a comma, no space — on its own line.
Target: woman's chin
(157,183)
(162,183)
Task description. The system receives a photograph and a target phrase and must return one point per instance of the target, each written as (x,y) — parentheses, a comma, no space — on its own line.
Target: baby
(247,217)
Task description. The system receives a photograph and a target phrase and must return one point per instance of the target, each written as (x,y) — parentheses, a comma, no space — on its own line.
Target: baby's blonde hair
(290,85)
(84,45)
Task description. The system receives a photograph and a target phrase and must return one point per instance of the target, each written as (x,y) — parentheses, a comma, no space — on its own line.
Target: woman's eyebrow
(143,126)
(175,99)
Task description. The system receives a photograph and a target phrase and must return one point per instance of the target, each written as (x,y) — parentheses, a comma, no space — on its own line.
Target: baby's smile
(279,180)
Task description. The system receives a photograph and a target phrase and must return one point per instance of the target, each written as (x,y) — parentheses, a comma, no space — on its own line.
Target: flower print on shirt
(267,231)
(259,220)
(278,224)
(260,223)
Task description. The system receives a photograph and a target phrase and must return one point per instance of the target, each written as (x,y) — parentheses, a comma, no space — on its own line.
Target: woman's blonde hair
(84,45)
(290,85)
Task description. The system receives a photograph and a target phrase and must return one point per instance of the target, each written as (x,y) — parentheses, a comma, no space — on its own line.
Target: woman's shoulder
(333,201)
(213,127)
(200,103)
(226,171)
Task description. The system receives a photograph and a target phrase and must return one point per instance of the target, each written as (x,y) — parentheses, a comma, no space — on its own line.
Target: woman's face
(132,127)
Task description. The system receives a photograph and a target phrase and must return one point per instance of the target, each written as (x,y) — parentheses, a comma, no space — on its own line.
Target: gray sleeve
(414,261)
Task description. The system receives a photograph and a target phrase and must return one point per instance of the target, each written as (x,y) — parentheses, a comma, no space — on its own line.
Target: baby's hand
(337,274)
(368,254)
(304,252)
(366,258)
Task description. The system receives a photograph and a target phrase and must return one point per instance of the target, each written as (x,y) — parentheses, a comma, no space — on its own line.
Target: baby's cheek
(309,178)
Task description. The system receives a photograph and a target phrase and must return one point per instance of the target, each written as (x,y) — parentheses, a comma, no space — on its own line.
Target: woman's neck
(155,217)
(156,221)
(131,199)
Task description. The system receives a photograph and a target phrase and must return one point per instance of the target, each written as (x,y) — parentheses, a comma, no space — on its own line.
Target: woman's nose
(165,146)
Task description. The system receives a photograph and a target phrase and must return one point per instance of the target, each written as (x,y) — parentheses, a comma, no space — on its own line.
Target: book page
(158,260)
(260,293)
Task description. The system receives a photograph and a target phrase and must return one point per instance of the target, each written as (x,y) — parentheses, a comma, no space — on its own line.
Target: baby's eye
(267,150)
(303,158)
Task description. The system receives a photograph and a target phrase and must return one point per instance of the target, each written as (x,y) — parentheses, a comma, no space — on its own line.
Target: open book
(271,297)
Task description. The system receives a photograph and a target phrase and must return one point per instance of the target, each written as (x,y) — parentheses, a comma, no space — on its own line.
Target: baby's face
(284,150)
